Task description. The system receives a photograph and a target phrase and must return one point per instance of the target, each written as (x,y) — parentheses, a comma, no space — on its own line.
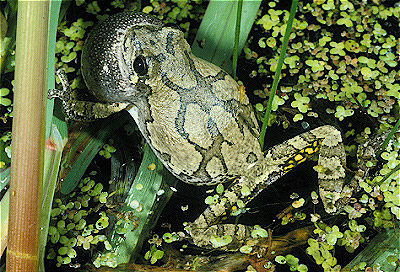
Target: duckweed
(325,56)
(69,228)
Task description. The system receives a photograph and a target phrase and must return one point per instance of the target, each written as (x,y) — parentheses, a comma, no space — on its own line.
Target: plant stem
(278,71)
(392,132)
(28,135)
(237,36)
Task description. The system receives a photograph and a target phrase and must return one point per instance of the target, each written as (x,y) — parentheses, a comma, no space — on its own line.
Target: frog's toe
(53,93)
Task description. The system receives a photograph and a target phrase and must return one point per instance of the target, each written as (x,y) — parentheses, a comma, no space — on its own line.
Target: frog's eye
(140,65)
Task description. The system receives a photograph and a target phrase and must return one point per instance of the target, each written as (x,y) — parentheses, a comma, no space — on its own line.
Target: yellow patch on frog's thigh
(195,125)
(310,150)
(299,158)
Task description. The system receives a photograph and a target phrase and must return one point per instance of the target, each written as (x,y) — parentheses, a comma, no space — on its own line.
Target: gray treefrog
(195,118)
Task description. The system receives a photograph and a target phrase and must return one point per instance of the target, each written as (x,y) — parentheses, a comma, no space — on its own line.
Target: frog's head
(104,69)
(126,55)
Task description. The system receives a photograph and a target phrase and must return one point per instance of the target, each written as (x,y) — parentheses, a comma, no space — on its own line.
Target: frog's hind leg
(278,160)
(325,140)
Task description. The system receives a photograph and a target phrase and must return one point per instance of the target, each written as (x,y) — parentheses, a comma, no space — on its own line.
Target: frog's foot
(366,153)
(66,92)
(226,237)
(82,110)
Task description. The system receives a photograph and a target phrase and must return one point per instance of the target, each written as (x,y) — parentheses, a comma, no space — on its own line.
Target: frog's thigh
(326,140)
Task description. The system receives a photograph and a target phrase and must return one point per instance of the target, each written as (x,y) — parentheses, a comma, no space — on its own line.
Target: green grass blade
(83,147)
(387,140)
(278,71)
(4,203)
(394,170)
(150,180)
(56,134)
(377,252)
(236,50)
(215,38)
(4,178)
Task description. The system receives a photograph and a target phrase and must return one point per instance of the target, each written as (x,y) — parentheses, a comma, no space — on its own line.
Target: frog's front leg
(82,110)
(277,161)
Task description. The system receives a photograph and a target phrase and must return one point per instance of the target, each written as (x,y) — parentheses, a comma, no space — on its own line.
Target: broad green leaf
(215,38)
